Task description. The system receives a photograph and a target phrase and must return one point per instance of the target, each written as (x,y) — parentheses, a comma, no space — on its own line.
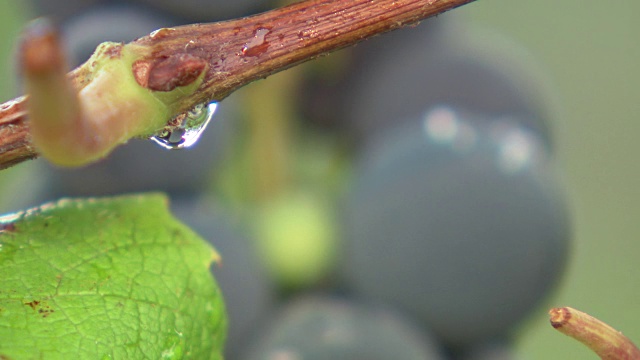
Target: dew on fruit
(443,126)
(190,125)
(518,149)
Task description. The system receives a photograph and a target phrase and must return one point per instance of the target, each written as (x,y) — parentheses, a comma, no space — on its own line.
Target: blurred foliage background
(588,54)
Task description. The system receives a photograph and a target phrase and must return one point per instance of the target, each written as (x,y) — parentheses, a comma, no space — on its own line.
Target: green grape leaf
(114,278)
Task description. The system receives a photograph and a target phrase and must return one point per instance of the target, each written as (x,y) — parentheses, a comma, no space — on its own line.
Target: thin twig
(240,51)
(605,341)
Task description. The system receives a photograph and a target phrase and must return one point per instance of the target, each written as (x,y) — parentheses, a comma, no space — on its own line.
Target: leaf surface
(115,278)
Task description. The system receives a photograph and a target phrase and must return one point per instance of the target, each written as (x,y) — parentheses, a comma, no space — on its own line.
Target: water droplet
(258,44)
(190,126)
(443,126)
(518,148)
(161,33)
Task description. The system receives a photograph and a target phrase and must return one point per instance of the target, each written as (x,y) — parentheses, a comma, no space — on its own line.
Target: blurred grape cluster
(394,200)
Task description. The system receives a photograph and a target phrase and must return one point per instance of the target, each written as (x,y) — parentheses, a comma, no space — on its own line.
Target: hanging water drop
(190,126)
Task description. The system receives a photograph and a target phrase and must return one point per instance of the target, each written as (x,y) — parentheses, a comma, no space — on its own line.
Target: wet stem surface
(234,53)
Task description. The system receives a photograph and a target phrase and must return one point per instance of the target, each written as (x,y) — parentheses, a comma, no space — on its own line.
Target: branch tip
(40,50)
(605,341)
(559,317)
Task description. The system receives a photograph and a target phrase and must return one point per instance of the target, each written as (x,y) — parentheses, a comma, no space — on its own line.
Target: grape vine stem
(605,341)
(240,51)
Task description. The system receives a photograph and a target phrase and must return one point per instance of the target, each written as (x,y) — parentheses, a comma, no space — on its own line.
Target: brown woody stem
(237,52)
(15,139)
(605,341)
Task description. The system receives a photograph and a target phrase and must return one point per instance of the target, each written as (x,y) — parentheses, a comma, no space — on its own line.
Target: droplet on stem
(258,44)
(190,126)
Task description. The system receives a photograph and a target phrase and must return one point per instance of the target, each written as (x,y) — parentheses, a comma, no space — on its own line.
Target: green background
(588,52)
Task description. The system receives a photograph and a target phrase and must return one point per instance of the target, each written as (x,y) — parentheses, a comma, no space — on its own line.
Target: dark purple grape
(319,328)
(458,220)
(61,9)
(398,75)
(208,10)
(495,350)
(248,294)
(83,32)
(185,10)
